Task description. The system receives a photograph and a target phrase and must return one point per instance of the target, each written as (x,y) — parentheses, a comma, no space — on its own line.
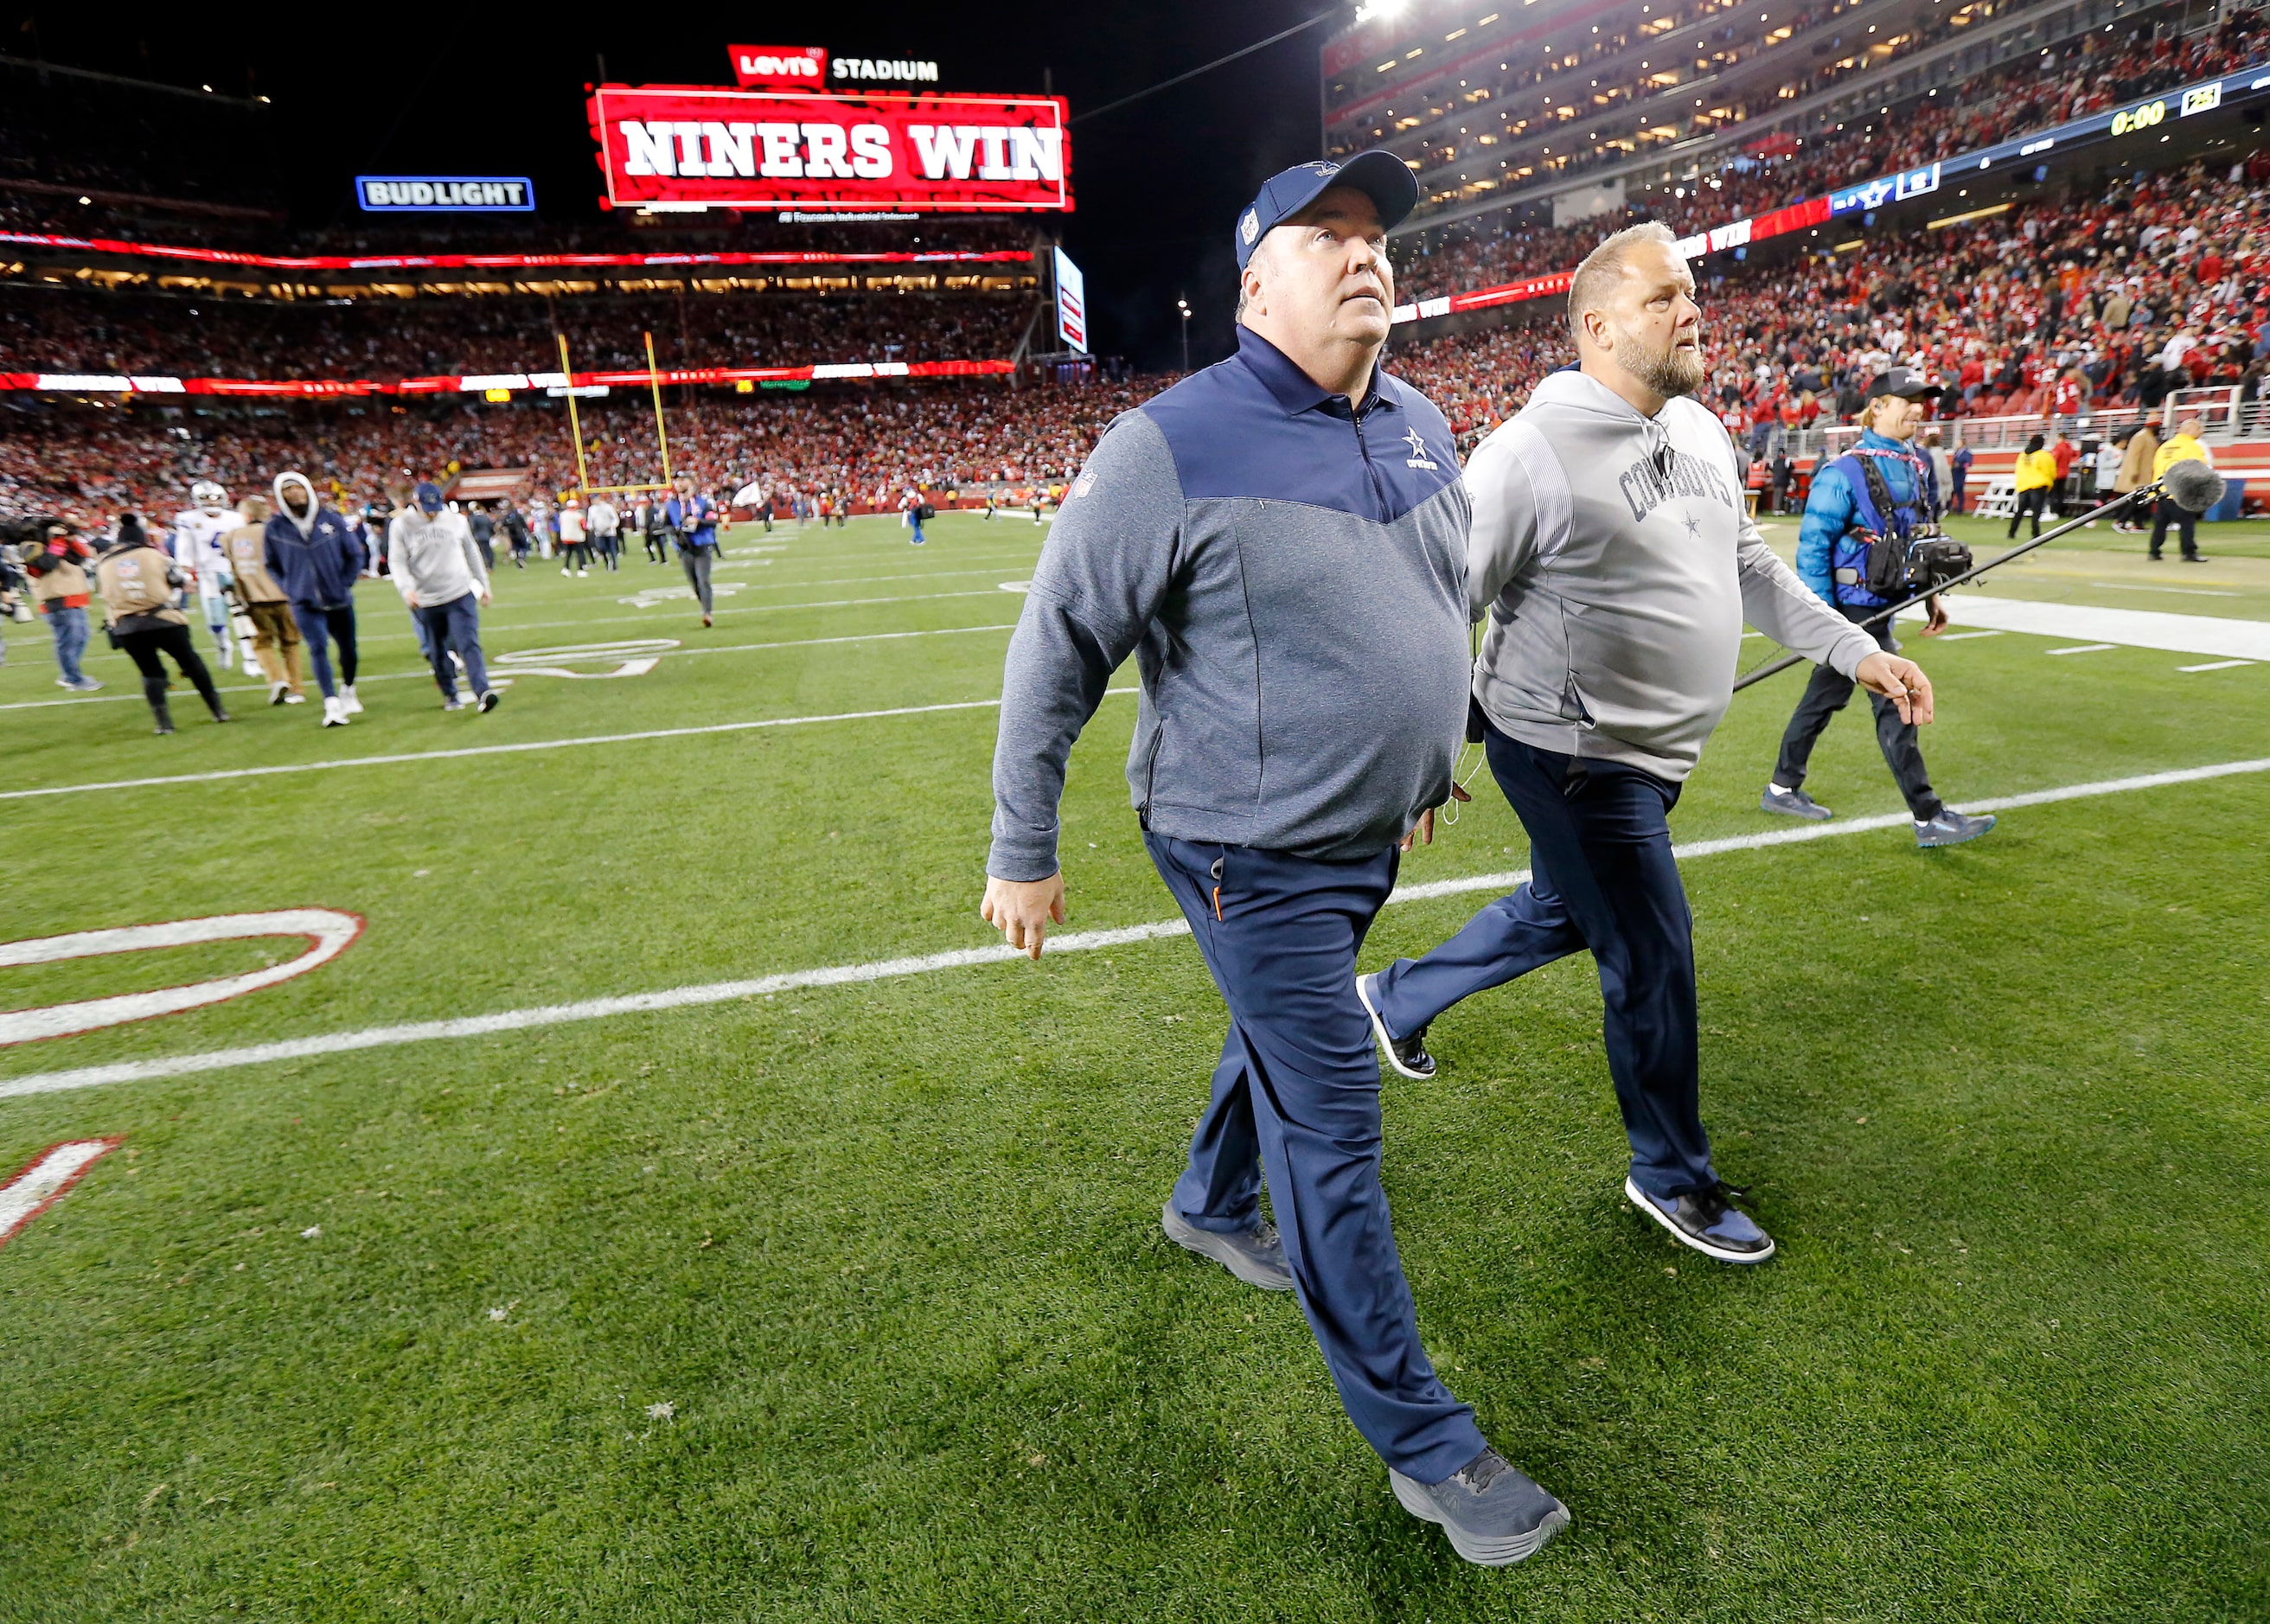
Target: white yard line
(2083,648)
(2131,586)
(493,750)
(890,970)
(2132,628)
(500,660)
(2215,665)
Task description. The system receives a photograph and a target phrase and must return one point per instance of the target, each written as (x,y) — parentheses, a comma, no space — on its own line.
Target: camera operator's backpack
(925,513)
(1899,567)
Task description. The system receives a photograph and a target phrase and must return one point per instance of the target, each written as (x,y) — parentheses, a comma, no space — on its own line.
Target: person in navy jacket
(1280,542)
(314,557)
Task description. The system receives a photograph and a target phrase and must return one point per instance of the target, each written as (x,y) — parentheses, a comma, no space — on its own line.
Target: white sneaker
(353,705)
(295,699)
(335,711)
(582,571)
(276,693)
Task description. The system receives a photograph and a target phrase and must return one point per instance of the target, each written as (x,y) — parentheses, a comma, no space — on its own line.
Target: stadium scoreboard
(782,139)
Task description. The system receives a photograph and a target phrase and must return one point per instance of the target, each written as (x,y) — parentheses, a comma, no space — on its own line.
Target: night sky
(498,91)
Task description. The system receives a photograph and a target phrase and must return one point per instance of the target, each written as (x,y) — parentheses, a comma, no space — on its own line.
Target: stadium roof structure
(2136,120)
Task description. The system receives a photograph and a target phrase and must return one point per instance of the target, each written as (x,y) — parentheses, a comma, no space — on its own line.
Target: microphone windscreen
(2192,484)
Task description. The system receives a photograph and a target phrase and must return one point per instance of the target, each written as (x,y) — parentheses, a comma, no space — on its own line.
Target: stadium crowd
(2047,309)
(861,444)
(72,330)
(2088,75)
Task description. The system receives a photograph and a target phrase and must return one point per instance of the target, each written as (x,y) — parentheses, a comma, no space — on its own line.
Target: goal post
(576,426)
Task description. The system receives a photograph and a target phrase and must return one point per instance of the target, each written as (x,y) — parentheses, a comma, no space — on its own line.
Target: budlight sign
(682,146)
(439,194)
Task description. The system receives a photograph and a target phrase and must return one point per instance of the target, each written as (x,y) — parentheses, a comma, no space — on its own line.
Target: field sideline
(844,1300)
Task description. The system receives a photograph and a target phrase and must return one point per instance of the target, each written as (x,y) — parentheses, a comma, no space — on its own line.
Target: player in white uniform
(196,547)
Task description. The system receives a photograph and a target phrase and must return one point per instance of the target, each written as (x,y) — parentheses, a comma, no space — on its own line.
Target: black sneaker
(1705,1220)
(1406,1054)
(1256,1256)
(489,698)
(1494,1514)
(1792,804)
(1950,828)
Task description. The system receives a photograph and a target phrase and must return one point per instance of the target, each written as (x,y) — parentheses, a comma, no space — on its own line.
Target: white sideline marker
(2214,665)
(889,969)
(491,750)
(47,1181)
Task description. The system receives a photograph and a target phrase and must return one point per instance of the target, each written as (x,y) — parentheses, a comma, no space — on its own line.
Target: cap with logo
(1905,383)
(428,497)
(1380,176)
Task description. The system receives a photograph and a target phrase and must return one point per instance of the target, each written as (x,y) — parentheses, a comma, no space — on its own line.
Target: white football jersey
(196,546)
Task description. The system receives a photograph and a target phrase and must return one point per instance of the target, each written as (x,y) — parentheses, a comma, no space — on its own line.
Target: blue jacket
(320,569)
(1290,576)
(695,521)
(1839,504)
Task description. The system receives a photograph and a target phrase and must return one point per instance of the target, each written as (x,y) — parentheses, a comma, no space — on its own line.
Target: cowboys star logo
(1419,457)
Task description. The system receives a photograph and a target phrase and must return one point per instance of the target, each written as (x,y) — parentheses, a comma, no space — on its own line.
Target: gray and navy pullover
(1289,574)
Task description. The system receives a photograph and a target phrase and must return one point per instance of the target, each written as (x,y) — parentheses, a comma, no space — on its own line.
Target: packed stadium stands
(2092,72)
(73,329)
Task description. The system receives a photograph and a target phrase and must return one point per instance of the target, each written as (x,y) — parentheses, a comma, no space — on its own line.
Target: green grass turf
(890,1253)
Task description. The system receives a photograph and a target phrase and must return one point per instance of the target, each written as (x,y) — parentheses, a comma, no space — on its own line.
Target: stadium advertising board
(1071,304)
(681,146)
(445,194)
(779,67)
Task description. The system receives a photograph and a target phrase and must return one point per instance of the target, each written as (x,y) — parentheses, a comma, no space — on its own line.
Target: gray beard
(1672,373)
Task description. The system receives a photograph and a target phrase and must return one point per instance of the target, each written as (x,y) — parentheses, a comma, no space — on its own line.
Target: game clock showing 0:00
(2130,119)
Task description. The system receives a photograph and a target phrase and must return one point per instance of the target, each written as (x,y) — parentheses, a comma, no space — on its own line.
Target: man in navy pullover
(1832,559)
(316,558)
(1280,541)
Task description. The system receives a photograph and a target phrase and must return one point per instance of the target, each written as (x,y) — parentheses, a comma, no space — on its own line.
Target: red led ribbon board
(745,149)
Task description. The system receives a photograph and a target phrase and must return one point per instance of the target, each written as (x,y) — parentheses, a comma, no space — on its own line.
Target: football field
(633,1186)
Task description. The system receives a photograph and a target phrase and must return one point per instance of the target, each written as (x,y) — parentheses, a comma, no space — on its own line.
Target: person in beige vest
(139,585)
(274,633)
(2135,470)
(56,564)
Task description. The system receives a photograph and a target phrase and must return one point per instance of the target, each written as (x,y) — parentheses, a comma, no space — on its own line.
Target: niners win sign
(735,149)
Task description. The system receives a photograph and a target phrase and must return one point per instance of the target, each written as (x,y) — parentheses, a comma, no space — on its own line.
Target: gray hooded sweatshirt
(1616,562)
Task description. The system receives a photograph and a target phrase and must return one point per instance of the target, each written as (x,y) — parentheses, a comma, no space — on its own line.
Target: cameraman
(1841,516)
(57,562)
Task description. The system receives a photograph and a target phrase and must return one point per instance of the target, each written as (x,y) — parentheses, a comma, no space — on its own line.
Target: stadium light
(1184,305)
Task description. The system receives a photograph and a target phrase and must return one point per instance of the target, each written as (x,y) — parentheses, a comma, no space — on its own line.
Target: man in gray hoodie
(1613,555)
(431,555)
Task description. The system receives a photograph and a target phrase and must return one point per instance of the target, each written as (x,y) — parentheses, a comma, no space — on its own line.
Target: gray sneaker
(1951,827)
(1256,1256)
(1493,1514)
(1792,804)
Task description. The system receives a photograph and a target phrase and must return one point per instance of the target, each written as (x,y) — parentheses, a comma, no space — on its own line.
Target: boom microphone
(2190,484)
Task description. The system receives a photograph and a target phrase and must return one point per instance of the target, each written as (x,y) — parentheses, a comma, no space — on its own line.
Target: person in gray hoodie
(1614,558)
(436,566)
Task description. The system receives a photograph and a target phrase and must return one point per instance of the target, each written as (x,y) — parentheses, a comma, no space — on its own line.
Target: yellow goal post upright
(576,426)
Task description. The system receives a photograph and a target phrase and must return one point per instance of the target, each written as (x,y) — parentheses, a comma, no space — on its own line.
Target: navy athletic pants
(1296,1098)
(1602,878)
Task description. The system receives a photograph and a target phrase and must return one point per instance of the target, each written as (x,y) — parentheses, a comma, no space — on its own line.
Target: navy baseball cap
(1379,174)
(428,496)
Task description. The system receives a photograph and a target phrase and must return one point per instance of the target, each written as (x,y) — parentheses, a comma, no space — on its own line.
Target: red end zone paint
(46,1179)
(328,931)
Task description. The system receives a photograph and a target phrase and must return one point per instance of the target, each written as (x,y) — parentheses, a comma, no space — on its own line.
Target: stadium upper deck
(1572,106)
